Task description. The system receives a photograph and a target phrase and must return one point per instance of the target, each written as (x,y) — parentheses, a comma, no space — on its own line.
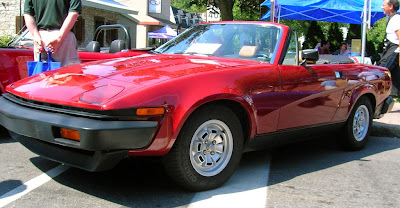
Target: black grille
(121,114)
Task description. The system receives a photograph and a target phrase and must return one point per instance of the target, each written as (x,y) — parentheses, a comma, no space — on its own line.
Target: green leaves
(4,39)
(335,36)
(229,9)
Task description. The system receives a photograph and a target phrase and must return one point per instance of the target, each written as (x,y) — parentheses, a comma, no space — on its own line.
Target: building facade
(138,16)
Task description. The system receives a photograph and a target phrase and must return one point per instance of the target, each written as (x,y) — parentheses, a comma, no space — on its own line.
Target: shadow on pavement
(6,186)
(139,182)
(5,136)
(294,160)
(385,130)
(142,182)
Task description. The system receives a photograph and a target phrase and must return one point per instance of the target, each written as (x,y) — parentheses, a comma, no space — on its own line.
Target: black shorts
(390,59)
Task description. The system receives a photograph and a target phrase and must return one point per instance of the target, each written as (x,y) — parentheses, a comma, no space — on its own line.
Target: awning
(165,32)
(345,11)
(109,5)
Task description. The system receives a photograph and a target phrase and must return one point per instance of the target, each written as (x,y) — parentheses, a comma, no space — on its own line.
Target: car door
(310,94)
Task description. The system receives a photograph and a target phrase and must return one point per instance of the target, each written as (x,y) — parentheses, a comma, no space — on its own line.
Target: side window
(291,55)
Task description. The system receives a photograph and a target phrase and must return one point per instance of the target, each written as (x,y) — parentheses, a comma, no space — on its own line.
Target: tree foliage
(225,7)
(354,32)
(301,26)
(335,36)
(313,36)
(375,38)
(188,7)
(246,11)
(251,8)
(232,9)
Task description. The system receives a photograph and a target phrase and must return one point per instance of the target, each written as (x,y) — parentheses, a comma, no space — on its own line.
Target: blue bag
(37,67)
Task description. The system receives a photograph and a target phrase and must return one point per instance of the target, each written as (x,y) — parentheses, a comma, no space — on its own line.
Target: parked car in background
(13,58)
(198,101)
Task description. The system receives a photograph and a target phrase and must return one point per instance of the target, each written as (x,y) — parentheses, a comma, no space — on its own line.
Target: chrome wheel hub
(361,123)
(211,148)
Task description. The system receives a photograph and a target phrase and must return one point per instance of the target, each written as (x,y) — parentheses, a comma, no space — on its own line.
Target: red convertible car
(198,101)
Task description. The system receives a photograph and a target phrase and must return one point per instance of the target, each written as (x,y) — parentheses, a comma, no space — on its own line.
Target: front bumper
(103,143)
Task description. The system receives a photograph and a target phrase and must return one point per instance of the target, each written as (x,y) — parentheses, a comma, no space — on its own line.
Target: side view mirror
(310,56)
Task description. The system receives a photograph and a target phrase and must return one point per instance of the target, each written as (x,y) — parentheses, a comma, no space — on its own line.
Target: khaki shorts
(67,53)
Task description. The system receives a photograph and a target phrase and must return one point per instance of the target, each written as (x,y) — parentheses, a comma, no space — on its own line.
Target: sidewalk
(389,125)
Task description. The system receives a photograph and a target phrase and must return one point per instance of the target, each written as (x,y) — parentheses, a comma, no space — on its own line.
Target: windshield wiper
(195,53)
(155,52)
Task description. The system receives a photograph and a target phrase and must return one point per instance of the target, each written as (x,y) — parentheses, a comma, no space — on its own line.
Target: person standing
(390,59)
(50,23)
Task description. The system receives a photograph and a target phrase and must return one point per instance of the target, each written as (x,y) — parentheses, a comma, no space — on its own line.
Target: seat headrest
(117,46)
(248,51)
(93,46)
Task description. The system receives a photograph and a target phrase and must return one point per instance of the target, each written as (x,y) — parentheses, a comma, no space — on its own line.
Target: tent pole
(279,13)
(364,32)
(272,11)
(369,14)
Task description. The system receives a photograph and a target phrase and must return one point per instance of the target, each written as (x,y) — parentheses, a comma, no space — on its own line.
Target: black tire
(203,164)
(358,126)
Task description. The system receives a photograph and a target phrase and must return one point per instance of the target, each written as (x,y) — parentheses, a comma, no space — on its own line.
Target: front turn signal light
(150,111)
(69,134)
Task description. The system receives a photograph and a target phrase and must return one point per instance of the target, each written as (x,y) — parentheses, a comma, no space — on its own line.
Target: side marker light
(150,111)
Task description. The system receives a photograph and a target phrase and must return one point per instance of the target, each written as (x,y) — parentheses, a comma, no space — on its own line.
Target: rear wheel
(207,150)
(358,125)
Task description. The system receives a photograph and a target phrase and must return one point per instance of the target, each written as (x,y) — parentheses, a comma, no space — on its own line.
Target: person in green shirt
(50,23)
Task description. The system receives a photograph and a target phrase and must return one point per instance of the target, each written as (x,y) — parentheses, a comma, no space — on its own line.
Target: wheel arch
(364,91)
(242,113)
(372,99)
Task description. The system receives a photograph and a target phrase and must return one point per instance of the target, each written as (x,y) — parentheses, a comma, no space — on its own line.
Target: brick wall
(9,9)
(89,14)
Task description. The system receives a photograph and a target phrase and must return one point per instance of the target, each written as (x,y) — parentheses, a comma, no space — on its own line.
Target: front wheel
(207,150)
(358,125)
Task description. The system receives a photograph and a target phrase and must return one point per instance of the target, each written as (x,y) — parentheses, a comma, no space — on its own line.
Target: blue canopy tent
(344,11)
(165,32)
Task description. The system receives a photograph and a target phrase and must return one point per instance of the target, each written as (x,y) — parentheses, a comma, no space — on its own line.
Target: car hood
(113,76)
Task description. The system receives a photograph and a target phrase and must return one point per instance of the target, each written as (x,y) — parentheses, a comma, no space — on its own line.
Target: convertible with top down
(198,101)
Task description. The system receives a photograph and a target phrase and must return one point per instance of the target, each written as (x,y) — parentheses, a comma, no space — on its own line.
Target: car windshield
(245,41)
